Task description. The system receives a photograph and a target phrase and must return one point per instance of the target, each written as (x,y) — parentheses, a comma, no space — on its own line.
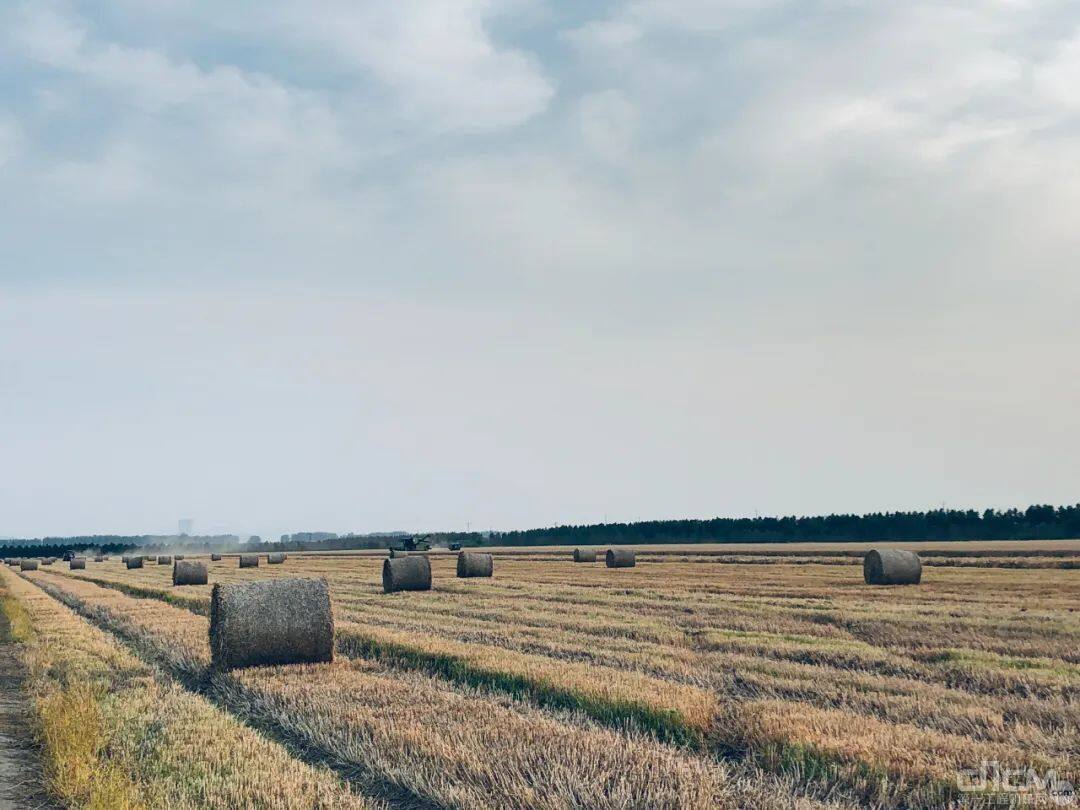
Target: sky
(349,265)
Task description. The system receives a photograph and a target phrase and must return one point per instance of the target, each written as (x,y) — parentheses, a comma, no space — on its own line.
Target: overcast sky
(366,265)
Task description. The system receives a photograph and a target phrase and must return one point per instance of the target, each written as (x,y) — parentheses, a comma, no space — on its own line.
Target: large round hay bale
(584,555)
(99,558)
(77,564)
(189,572)
(275,557)
(475,564)
(178,557)
(28,565)
(620,558)
(15,562)
(48,561)
(276,621)
(164,559)
(249,560)
(406,574)
(891,566)
(134,562)
(215,557)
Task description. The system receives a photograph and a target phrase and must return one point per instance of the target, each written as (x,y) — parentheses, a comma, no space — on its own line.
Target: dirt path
(20,771)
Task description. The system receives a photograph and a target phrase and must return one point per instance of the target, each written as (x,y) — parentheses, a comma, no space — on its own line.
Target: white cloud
(1058,78)
(605,34)
(10,140)
(117,176)
(608,124)
(436,56)
(699,16)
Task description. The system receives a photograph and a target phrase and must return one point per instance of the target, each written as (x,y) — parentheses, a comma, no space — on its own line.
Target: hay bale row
(275,557)
(28,565)
(892,566)
(475,564)
(249,560)
(585,555)
(406,574)
(620,558)
(164,560)
(189,572)
(77,564)
(278,621)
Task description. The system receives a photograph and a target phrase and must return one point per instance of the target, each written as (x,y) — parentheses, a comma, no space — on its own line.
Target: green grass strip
(667,725)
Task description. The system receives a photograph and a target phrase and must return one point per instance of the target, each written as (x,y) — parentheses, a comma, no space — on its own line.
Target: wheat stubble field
(706,676)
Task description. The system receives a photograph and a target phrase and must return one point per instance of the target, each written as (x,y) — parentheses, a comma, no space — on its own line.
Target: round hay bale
(28,565)
(891,566)
(620,558)
(164,560)
(14,562)
(77,564)
(178,557)
(99,558)
(189,572)
(276,621)
(215,558)
(48,561)
(134,562)
(584,555)
(406,574)
(249,560)
(475,564)
(275,557)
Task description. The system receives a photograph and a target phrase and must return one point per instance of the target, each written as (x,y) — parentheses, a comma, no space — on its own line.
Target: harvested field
(415,738)
(739,684)
(117,735)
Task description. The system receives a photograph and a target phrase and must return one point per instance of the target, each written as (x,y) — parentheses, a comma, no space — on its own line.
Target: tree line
(1039,522)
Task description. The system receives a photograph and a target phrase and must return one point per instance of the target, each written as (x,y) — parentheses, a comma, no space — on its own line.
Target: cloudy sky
(351,264)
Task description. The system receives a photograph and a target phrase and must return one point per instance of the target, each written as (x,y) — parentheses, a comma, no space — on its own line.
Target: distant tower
(186,526)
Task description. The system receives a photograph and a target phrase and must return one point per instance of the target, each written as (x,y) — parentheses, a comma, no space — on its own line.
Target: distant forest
(109,543)
(1033,523)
